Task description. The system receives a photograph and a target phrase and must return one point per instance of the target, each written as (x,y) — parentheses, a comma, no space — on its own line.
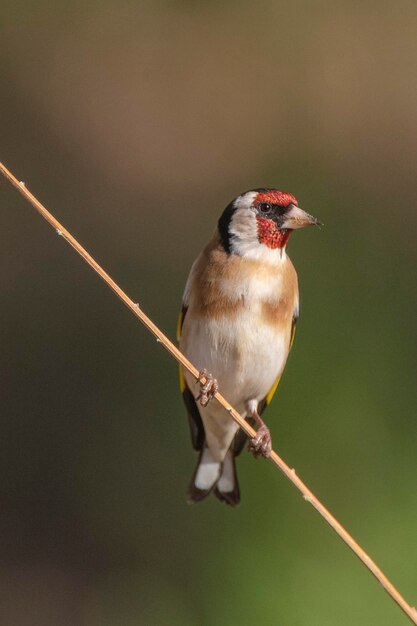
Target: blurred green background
(136,123)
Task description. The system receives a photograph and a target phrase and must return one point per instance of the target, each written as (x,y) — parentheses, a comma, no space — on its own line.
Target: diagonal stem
(173,350)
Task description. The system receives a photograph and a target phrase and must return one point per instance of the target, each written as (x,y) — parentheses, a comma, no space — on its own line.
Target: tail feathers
(206,475)
(196,495)
(211,474)
(227,487)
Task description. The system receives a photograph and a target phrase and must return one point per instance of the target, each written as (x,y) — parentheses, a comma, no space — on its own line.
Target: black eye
(265,207)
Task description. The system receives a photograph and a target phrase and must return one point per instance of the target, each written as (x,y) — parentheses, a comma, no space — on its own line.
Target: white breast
(244,357)
(244,353)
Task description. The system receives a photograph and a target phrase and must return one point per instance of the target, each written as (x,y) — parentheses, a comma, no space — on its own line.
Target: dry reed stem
(172,349)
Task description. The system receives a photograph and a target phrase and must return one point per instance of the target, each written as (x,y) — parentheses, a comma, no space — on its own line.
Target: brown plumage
(215,267)
(239,312)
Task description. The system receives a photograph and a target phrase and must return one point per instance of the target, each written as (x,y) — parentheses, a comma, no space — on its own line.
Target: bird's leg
(261,444)
(208,387)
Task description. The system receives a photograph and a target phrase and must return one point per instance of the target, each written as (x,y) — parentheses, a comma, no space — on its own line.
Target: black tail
(221,477)
(209,474)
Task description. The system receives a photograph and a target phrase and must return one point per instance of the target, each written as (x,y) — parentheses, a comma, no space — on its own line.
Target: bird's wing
(193,414)
(241,437)
(268,398)
(180,324)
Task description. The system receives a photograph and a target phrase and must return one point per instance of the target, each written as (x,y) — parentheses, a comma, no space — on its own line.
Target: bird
(237,324)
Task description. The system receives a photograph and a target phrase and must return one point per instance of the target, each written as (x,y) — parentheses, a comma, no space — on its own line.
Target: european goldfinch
(240,308)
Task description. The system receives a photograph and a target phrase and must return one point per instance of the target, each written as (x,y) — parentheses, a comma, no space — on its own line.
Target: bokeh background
(136,123)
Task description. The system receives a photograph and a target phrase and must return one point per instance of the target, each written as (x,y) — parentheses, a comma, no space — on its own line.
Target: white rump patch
(208,471)
(226,483)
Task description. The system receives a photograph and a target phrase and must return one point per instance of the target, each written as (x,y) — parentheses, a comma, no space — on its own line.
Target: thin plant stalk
(173,350)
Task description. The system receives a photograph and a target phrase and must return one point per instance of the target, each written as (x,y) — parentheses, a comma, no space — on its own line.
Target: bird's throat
(270,235)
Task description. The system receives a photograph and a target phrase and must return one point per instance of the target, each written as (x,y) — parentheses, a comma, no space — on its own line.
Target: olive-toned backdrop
(136,123)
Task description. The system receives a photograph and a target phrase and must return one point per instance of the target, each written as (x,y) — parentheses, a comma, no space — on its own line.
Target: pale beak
(297,218)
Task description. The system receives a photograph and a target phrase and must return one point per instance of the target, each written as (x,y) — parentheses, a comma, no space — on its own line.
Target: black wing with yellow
(193,414)
(180,324)
(274,387)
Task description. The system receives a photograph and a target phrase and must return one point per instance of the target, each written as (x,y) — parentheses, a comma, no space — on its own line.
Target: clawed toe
(261,444)
(208,387)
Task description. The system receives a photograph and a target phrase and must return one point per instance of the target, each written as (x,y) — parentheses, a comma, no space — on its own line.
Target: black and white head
(258,223)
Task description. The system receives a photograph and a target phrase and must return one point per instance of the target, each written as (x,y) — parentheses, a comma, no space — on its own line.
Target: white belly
(246,357)
(235,343)
(246,360)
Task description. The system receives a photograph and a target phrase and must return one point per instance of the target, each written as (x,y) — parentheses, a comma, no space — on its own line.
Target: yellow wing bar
(276,383)
(273,390)
(180,323)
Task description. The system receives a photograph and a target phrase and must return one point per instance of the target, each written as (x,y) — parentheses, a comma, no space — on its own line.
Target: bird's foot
(261,444)
(208,387)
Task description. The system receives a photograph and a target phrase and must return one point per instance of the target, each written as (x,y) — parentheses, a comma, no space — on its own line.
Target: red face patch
(270,235)
(273,196)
